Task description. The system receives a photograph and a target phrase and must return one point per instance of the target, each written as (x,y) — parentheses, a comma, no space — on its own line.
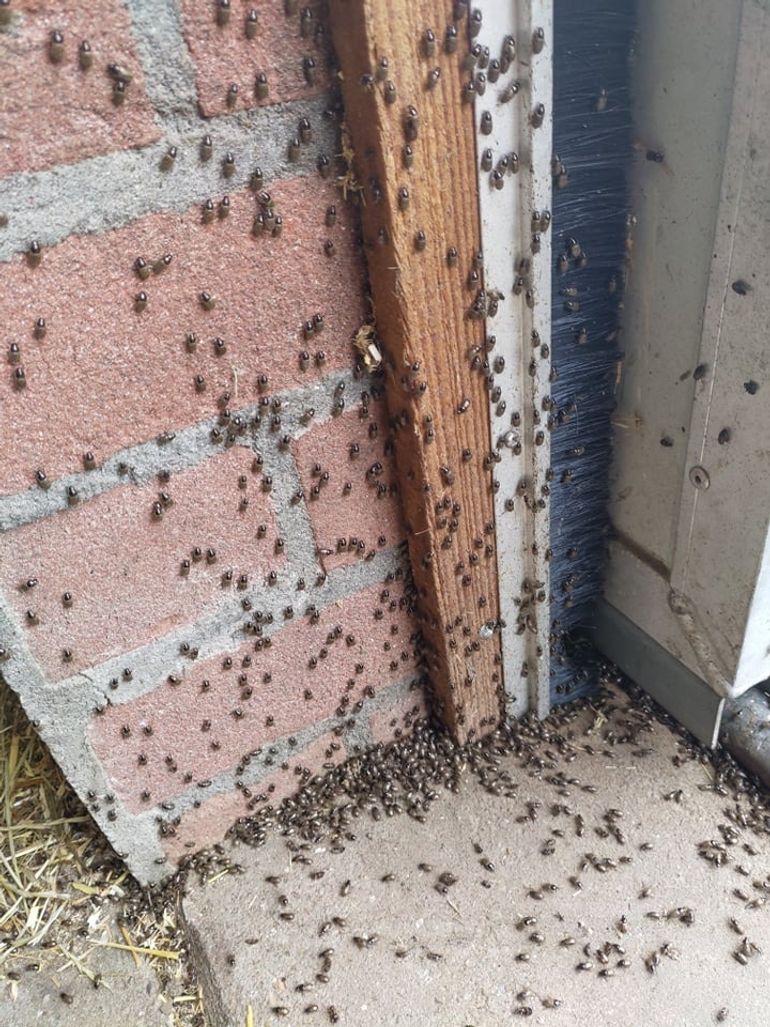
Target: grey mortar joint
(137,833)
(382,699)
(114,189)
(128,832)
(294,516)
(67,707)
(108,192)
(169,72)
(189,447)
(67,711)
(225,782)
(62,718)
(62,713)
(217,631)
(219,627)
(293,519)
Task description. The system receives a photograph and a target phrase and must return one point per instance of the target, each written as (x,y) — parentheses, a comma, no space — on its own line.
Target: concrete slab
(497,944)
(127,994)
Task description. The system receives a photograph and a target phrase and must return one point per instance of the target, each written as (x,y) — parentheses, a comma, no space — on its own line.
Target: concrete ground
(544,930)
(615,919)
(127,995)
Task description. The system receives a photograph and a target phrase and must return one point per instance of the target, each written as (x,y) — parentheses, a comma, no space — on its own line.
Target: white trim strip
(519,422)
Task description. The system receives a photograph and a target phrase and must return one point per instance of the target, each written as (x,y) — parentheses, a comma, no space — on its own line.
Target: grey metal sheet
(668,681)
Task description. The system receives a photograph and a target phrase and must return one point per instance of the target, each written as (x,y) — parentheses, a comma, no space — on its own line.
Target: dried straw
(58,876)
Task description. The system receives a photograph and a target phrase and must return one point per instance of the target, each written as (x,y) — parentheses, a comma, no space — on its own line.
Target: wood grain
(437,401)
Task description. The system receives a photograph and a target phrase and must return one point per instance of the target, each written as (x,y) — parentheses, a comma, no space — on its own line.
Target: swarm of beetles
(409,775)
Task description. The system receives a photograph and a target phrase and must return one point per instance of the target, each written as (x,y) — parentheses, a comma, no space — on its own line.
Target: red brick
(123,567)
(105,376)
(209,822)
(364,514)
(399,718)
(223,55)
(176,714)
(58,113)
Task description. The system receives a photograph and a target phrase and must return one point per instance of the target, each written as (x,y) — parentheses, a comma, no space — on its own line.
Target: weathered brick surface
(209,822)
(122,565)
(107,376)
(205,729)
(224,56)
(112,377)
(59,113)
(366,516)
(399,719)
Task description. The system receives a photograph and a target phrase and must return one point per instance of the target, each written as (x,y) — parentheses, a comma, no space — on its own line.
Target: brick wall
(203,591)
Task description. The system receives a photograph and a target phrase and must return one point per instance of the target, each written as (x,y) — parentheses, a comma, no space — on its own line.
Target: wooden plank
(433,341)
